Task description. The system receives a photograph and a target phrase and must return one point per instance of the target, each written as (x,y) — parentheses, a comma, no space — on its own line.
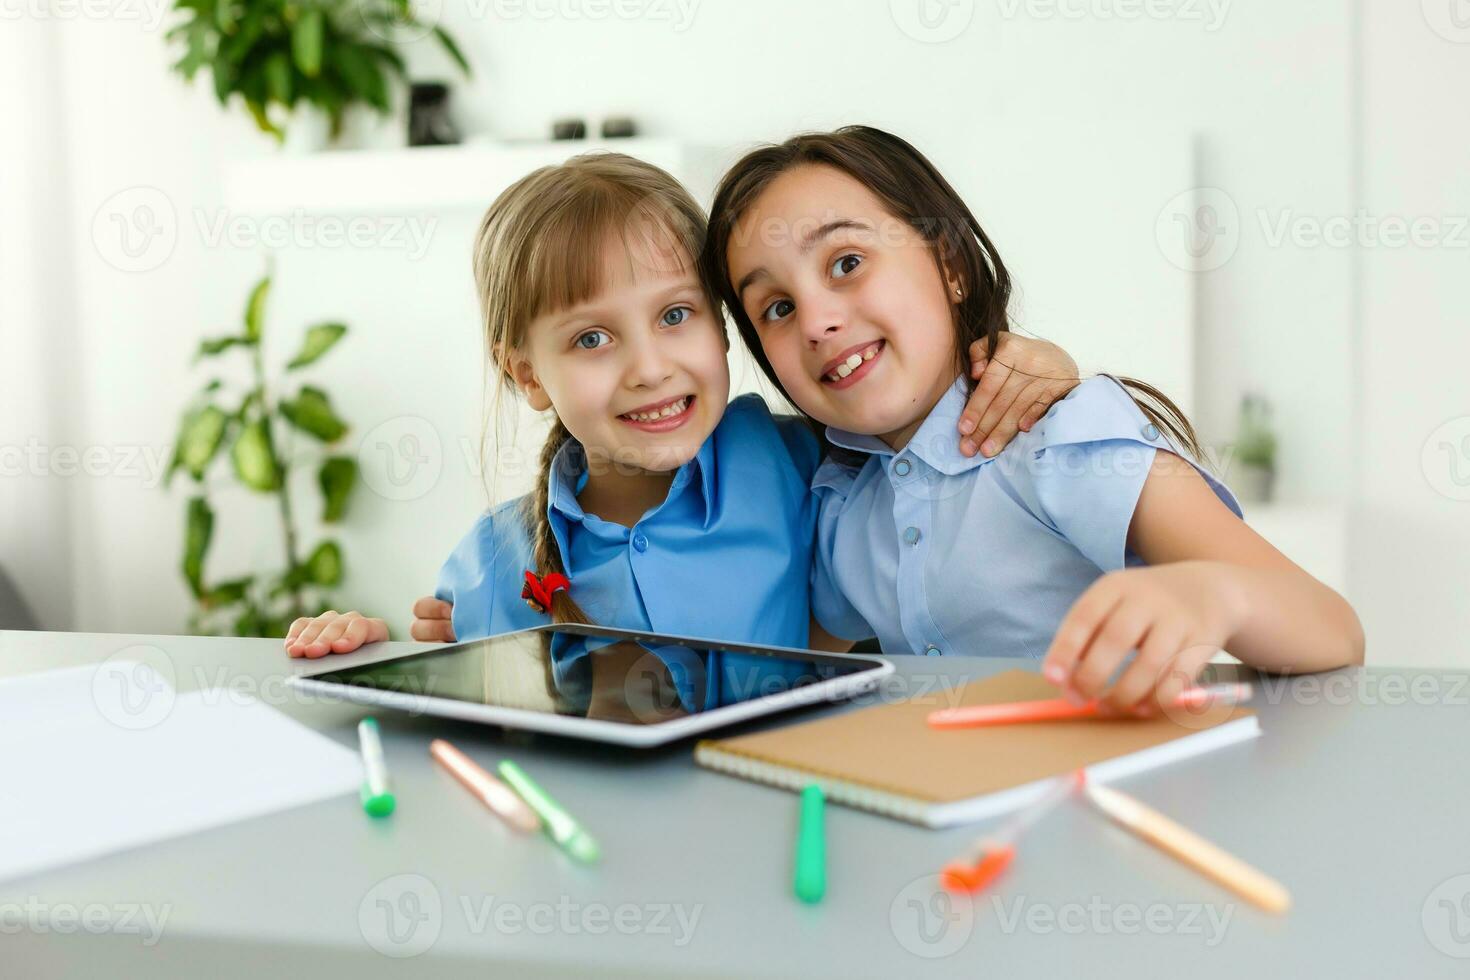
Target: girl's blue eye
(845,265)
(676,316)
(590,333)
(777,310)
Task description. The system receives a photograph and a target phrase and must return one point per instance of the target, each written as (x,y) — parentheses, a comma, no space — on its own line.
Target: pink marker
(1059,709)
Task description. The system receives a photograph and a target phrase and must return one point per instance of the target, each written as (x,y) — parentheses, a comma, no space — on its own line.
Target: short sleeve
(466,578)
(838,616)
(1084,466)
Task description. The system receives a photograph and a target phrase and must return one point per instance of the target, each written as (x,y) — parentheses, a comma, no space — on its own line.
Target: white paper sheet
(98,759)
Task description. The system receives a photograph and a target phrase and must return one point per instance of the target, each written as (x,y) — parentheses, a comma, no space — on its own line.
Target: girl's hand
(1016,388)
(1176,616)
(431,620)
(333,632)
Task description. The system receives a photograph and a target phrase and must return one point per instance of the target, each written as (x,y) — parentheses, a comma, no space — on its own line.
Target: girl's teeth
(674,408)
(853,362)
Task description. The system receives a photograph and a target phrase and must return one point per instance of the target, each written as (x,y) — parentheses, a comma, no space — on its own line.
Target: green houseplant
(1255,451)
(279,54)
(256,434)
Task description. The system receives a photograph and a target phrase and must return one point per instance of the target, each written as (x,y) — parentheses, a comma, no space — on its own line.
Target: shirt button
(931,651)
(640,543)
(902,467)
(1150,432)
(912,535)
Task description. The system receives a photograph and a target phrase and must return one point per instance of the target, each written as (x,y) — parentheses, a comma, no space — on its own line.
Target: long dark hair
(915,192)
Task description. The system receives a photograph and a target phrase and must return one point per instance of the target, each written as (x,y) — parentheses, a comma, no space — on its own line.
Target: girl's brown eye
(844,265)
(777,310)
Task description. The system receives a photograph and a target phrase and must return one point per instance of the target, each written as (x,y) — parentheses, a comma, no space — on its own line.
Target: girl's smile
(663,416)
(852,365)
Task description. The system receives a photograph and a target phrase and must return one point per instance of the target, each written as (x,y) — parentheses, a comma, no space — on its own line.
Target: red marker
(1059,709)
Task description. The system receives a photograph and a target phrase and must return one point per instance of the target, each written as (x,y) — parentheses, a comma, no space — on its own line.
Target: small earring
(959,293)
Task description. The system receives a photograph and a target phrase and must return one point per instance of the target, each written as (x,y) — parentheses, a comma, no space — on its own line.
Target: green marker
(377,797)
(567,833)
(811,847)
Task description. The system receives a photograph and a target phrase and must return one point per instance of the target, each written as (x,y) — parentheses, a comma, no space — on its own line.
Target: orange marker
(1059,709)
(500,798)
(992,854)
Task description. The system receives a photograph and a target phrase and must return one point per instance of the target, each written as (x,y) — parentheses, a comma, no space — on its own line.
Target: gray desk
(1356,797)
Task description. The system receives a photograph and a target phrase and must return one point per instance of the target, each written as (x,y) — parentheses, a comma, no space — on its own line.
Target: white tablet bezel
(611,732)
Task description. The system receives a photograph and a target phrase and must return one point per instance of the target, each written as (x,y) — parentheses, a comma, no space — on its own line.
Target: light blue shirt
(936,553)
(726,556)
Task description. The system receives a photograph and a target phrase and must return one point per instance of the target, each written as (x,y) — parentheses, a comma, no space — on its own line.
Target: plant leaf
(319,340)
(312,413)
(337,477)
(199,440)
(255,310)
(226,593)
(211,346)
(306,42)
(324,566)
(362,75)
(278,77)
(255,459)
(198,528)
(452,48)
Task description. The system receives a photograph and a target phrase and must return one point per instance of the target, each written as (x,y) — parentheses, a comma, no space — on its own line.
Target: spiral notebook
(887,760)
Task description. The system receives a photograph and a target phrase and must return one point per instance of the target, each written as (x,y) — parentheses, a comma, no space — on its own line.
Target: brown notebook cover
(886,758)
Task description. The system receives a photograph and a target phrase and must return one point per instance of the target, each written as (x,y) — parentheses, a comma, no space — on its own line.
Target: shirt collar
(569,475)
(937,441)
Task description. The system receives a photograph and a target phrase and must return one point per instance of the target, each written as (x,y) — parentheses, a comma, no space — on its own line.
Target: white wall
(1018,107)
(1411,549)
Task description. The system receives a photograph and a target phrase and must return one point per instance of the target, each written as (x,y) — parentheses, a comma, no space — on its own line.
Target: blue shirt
(726,556)
(934,552)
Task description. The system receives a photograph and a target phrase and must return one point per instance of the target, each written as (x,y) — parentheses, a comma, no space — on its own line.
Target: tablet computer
(595,682)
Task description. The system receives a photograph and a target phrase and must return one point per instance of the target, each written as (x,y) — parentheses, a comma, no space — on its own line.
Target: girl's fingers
(1005,429)
(1123,631)
(432,630)
(314,628)
(297,625)
(322,645)
(1142,677)
(1183,672)
(1034,413)
(431,608)
(991,383)
(987,431)
(359,631)
(1077,630)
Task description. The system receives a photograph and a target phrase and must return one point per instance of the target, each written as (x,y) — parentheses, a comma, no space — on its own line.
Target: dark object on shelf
(619,127)
(569,129)
(428,115)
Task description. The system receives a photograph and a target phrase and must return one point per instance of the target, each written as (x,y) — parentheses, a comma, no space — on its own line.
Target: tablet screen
(582,672)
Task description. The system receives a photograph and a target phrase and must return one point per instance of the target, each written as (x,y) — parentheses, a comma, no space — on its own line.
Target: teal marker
(811,847)
(377,797)
(567,833)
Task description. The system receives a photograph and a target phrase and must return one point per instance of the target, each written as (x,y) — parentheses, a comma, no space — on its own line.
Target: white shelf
(417,178)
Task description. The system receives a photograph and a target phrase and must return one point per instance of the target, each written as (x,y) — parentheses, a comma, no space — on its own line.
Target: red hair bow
(538,591)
